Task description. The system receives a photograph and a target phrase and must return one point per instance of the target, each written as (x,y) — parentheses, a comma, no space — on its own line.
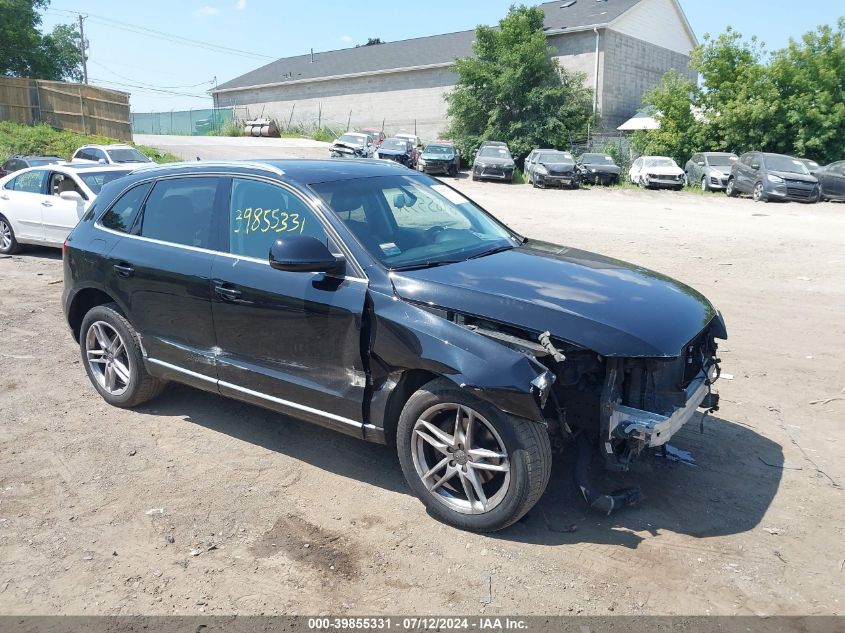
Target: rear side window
(29,182)
(181,211)
(122,214)
(260,213)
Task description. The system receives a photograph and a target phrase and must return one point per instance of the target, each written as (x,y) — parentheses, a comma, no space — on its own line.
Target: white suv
(109,155)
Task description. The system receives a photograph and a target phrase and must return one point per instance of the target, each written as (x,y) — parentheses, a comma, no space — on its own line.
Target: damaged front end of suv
(623,357)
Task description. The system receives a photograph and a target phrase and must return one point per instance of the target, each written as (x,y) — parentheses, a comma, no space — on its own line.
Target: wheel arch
(82,302)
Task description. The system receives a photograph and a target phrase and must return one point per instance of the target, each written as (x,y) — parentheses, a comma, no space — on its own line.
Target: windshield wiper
(429,264)
(493,251)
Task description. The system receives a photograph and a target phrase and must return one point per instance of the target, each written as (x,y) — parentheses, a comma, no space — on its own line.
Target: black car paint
(341,350)
(597,173)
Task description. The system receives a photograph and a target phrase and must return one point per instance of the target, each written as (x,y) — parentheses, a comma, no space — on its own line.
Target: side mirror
(755,165)
(102,161)
(304,254)
(72,196)
(700,163)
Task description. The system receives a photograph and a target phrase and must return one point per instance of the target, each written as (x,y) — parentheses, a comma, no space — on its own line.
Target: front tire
(730,189)
(8,244)
(473,466)
(759,195)
(704,185)
(111,353)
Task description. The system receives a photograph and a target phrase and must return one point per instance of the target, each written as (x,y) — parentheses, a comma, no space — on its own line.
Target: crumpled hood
(558,166)
(433,156)
(663,171)
(343,147)
(383,151)
(605,169)
(599,303)
(495,160)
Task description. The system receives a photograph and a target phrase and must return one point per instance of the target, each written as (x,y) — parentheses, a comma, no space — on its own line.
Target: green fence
(181,122)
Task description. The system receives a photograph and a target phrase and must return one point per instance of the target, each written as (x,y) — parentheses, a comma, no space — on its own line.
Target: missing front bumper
(654,429)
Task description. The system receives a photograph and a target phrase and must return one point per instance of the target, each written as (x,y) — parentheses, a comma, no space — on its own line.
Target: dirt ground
(197,504)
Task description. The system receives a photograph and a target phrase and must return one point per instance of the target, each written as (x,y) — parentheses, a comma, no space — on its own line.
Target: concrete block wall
(631,68)
(402,100)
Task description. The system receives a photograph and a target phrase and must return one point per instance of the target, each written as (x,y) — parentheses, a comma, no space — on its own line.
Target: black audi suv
(380,302)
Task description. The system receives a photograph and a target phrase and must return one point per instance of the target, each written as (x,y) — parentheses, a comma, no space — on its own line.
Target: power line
(144,83)
(177,39)
(149,89)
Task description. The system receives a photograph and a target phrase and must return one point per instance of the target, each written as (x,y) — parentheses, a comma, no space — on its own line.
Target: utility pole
(82,48)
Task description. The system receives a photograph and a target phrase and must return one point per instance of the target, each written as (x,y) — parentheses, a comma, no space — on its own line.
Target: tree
(512,89)
(791,101)
(371,41)
(26,52)
(672,105)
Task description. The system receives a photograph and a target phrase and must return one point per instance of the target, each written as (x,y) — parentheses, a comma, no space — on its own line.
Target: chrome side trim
(182,370)
(292,405)
(258,394)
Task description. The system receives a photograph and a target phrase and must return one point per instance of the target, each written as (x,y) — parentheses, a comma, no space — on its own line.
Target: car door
(634,173)
(287,340)
(21,201)
(161,272)
(744,173)
(59,216)
(694,169)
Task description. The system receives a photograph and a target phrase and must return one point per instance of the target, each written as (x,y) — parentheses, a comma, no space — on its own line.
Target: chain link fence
(204,122)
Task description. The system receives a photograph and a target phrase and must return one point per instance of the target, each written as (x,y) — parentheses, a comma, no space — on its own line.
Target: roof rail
(213,163)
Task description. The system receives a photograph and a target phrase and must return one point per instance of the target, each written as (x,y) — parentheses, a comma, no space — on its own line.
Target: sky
(171,73)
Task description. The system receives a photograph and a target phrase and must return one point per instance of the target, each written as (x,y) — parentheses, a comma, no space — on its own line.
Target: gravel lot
(197,504)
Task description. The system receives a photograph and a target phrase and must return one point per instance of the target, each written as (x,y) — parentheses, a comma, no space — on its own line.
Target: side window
(121,216)
(181,211)
(98,154)
(83,154)
(260,213)
(31,181)
(59,183)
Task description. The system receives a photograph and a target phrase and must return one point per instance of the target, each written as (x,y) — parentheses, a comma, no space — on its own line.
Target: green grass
(45,140)
(519,177)
(232,128)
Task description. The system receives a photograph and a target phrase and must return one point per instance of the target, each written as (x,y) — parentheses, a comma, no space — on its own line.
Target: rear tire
(111,354)
(8,243)
(507,460)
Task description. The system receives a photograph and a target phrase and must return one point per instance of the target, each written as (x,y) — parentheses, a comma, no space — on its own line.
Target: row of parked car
(43,197)
(439,157)
(762,175)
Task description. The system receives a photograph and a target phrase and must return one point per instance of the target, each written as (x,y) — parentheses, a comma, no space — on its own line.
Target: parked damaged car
(493,161)
(400,150)
(709,170)
(440,157)
(767,176)
(352,145)
(832,181)
(421,321)
(656,172)
(551,168)
(598,169)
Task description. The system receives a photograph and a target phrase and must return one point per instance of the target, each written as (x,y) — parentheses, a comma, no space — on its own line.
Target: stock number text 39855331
(260,220)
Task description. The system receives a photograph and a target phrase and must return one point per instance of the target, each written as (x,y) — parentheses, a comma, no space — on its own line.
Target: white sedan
(41,205)
(655,172)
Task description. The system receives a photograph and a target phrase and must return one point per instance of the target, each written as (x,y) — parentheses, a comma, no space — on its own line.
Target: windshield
(555,157)
(494,152)
(127,155)
(95,180)
(394,143)
(351,139)
(413,221)
(597,159)
(775,162)
(659,162)
(721,161)
(443,150)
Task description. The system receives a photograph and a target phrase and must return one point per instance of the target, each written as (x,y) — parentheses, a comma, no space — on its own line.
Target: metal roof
(421,52)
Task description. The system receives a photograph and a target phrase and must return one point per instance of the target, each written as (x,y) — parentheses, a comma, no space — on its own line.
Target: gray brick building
(622,46)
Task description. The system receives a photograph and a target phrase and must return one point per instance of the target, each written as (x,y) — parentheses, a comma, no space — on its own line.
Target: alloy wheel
(758,192)
(108,358)
(5,235)
(704,183)
(460,458)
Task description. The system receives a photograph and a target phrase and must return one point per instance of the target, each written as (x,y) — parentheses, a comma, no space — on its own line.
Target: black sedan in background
(493,161)
(379,302)
(400,150)
(598,169)
(551,168)
(16,163)
(832,181)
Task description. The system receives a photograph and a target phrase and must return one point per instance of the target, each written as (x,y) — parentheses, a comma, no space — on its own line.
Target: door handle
(5,197)
(46,203)
(124,270)
(227,293)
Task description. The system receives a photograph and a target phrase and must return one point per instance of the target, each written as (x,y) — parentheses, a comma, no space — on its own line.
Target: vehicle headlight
(775,179)
(481,165)
(593,170)
(542,170)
